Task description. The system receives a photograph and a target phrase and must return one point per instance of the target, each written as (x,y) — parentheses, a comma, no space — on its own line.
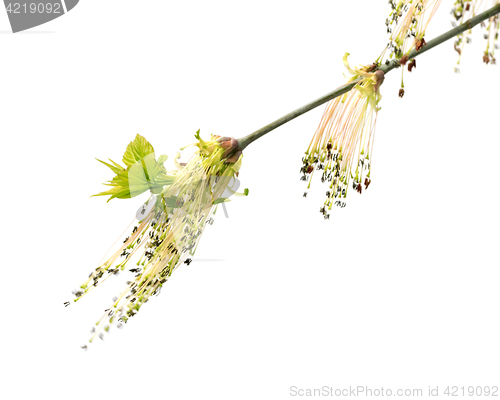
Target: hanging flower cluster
(182,203)
(466,9)
(342,145)
(406,25)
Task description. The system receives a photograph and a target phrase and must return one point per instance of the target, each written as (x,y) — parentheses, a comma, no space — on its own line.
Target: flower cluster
(342,145)
(406,25)
(170,231)
(466,9)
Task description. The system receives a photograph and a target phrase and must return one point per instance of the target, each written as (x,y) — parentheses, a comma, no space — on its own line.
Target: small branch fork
(246,140)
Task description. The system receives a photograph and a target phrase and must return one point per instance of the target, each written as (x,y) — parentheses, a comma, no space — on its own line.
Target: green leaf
(115,168)
(143,172)
(137,150)
(162,159)
(163,179)
(138,181)
(117,192)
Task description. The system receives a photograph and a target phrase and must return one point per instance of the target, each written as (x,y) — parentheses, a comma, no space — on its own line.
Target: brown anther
(419,44)
(401,92)
(328,146)
(403,60)
(467,7)
(457,49)
(412,64)
(310,169)
(358,188)
(367,183)
(486,59)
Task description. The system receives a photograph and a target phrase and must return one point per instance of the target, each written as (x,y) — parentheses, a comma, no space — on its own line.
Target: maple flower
(181,205)
(466,9)
(343,142)
(406,25)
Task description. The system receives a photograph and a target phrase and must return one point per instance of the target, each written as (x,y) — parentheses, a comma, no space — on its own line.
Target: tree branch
(469,24)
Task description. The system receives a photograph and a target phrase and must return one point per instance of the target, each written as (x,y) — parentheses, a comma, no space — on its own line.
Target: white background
(398,290)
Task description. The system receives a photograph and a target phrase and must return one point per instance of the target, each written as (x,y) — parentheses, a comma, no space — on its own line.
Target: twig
(246,140)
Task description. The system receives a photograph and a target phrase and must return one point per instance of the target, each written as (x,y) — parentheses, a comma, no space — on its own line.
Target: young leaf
(143,172)
(137,150)
(115,168)
(162,159)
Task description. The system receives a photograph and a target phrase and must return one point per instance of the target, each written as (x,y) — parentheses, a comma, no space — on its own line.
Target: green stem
(246,140)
